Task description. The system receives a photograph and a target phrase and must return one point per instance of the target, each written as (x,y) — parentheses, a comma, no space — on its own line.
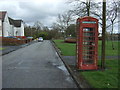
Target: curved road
(35,66)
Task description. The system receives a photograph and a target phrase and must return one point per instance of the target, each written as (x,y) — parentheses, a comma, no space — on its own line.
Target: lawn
(97,79)
(109,50)
(1,48)
(69,49)
(106,79)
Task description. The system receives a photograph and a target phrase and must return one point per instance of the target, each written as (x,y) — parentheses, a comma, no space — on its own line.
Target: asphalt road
(35,66)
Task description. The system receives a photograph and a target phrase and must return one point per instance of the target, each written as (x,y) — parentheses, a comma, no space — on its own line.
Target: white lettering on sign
(89,22)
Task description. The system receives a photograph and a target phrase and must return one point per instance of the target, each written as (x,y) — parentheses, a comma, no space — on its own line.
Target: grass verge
(104,79)
(69,49)
(97,79)
(2,48)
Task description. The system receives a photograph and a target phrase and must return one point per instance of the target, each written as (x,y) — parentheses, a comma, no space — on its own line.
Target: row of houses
(9,26)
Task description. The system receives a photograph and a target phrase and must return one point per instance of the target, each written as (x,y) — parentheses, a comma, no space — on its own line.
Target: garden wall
(12,41)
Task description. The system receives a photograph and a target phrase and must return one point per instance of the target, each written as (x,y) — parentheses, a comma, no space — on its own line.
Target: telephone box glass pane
(86,48)
(88,29)
(88,38)
(88,45)
(88,34)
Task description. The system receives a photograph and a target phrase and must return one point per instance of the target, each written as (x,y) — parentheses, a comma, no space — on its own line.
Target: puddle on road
(54,64)
(68,77)
(63,68)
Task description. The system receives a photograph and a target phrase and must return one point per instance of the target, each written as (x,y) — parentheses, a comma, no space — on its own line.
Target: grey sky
(30,11)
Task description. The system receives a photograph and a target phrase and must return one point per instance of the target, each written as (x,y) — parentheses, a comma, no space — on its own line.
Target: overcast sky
(30,11)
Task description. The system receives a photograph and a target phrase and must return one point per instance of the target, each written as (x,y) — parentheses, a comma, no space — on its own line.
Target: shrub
(70,40)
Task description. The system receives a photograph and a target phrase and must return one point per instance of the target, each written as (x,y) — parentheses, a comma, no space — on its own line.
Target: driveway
(35,66)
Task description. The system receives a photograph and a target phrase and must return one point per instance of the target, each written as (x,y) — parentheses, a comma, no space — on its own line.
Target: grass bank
(69,49)
(97,79)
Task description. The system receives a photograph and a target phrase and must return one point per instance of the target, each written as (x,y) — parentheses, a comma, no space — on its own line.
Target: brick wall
(10,41)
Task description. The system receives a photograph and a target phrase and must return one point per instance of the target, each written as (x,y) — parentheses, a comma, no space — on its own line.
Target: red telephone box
(87,43)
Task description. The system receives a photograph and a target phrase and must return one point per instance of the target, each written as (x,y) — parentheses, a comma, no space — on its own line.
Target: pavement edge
(78,83)
(16,49)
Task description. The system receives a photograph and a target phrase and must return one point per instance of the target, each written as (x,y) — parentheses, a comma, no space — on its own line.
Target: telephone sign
(88,22)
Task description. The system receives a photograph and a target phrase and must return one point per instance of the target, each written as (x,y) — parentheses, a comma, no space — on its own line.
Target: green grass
(97,79)
(109,50)
(104,79)
(1,48)
(69,49)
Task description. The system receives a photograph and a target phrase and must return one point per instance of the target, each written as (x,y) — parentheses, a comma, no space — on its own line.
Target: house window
(16,33)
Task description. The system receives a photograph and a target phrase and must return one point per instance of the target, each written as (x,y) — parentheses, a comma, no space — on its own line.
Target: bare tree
(92,8)
(63,21)
(83,8)
(39,26)
(112,15)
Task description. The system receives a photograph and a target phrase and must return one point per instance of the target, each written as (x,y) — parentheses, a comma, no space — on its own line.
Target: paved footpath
(35,66)
(8,49)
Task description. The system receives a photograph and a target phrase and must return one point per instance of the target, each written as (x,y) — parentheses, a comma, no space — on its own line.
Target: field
(97,79)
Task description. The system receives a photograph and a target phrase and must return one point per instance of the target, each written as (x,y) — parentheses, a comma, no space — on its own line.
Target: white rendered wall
(6,27)
(12,30)
(0,28)
(19,30)
(22,29)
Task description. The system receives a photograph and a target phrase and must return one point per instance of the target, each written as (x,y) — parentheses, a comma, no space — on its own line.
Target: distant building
(9,26)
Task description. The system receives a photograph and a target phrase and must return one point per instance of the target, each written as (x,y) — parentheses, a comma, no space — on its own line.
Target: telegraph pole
(103,35)
(88,7)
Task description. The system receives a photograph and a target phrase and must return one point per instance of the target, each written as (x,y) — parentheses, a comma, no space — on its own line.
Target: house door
(16,33)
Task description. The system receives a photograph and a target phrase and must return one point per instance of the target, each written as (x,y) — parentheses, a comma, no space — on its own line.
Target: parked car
(29,37)
(13,37)
(10,37)
(40,39)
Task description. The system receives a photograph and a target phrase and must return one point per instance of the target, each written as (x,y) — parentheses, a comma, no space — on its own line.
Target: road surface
(35,66)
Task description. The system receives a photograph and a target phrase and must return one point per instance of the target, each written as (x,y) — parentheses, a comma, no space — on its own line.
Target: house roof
(16,23)
(11,21)
(2,15)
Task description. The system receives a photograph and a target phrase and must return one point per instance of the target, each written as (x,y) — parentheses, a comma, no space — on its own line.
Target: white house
(9,26)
